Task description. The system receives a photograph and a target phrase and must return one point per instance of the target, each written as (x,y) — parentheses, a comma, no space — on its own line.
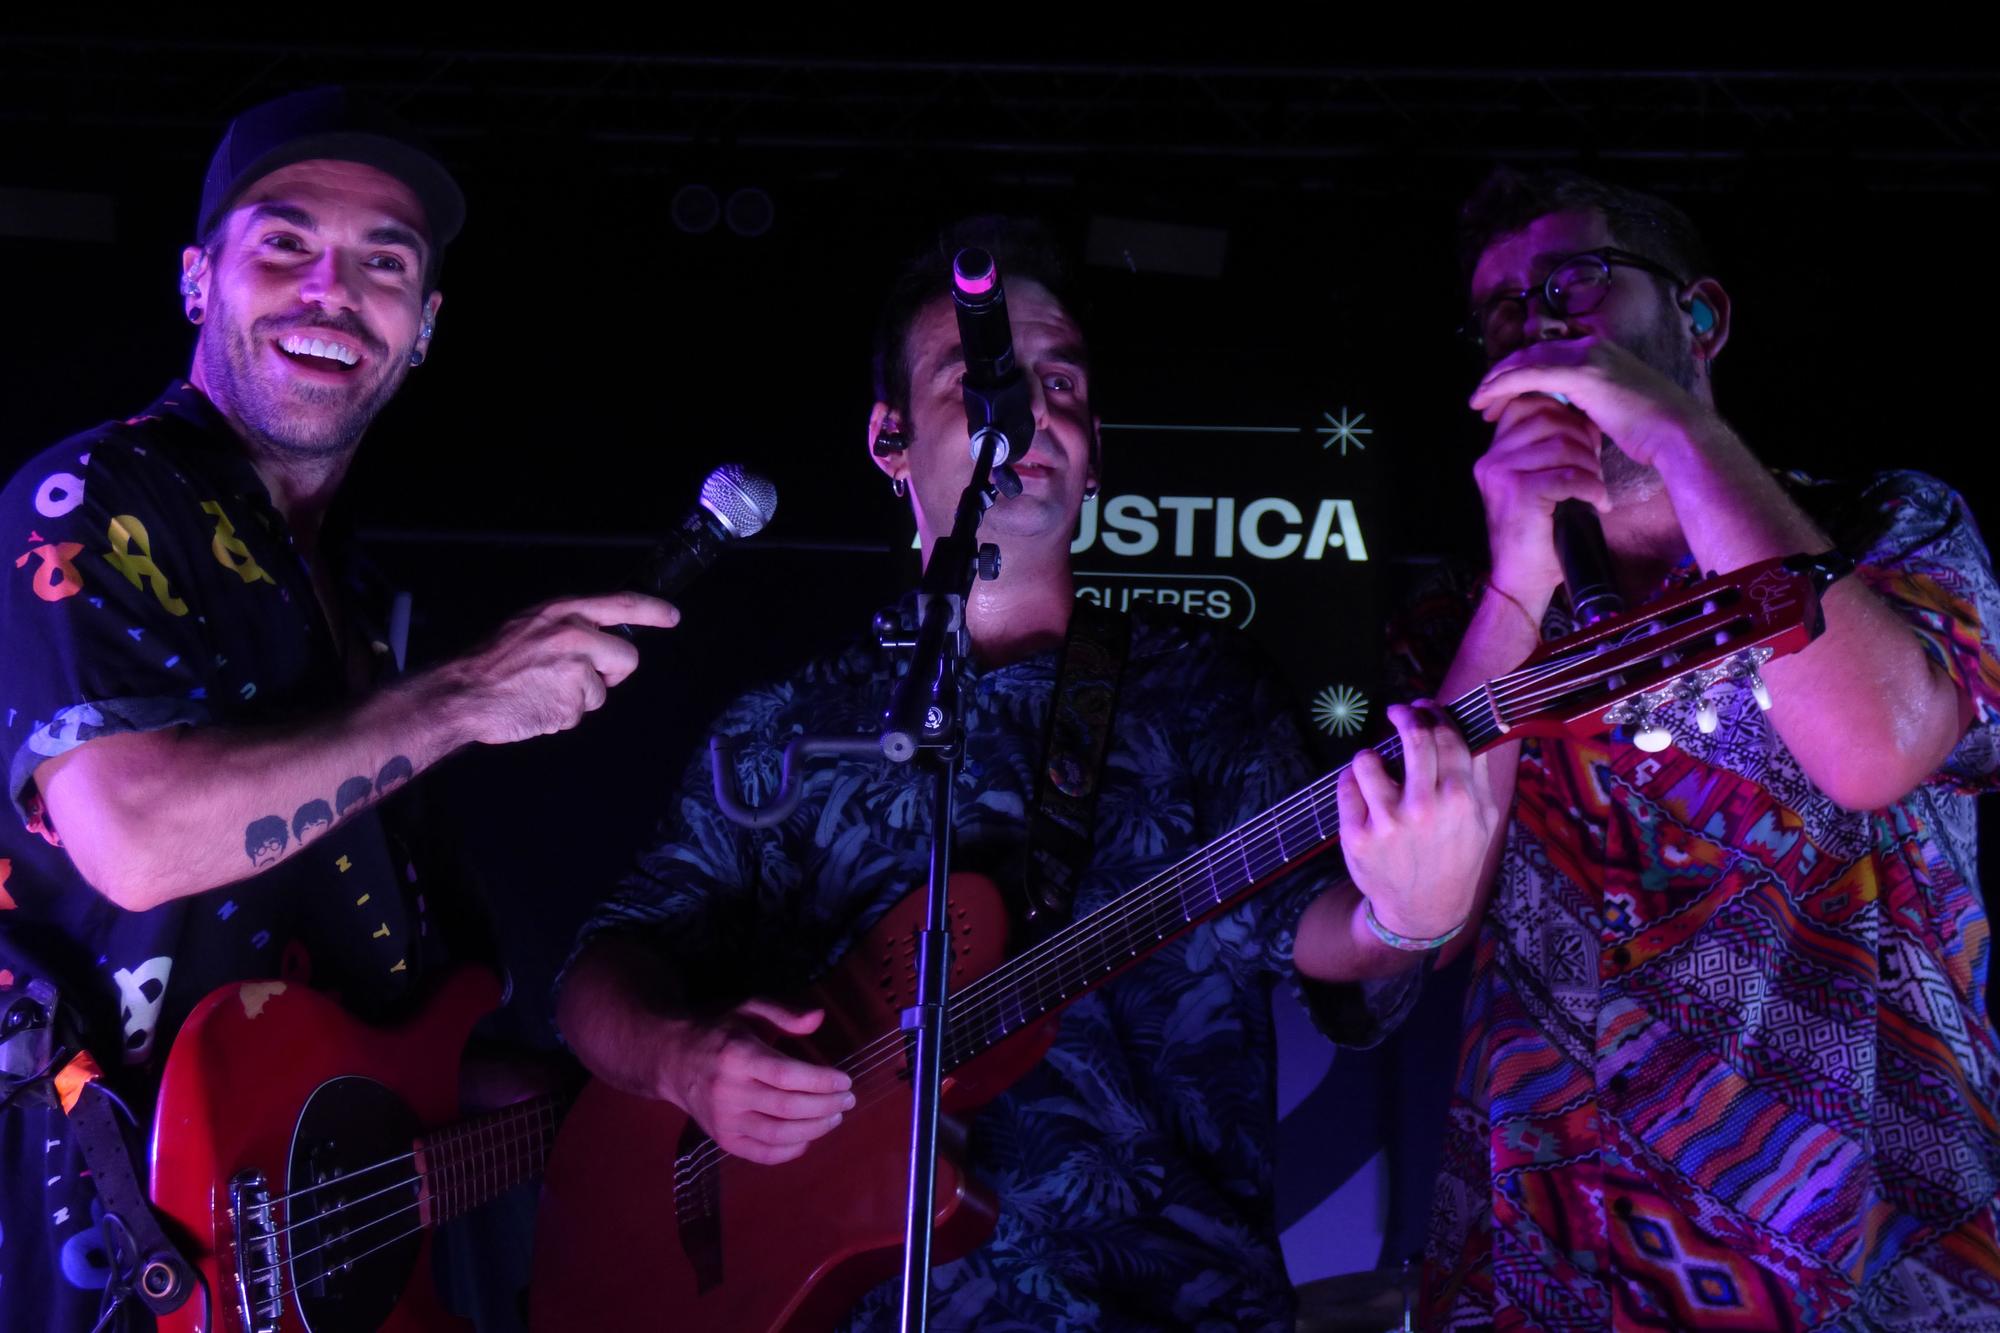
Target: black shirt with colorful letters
(150,583)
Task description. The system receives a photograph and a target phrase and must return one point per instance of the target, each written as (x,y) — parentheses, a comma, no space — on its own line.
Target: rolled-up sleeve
(100,618)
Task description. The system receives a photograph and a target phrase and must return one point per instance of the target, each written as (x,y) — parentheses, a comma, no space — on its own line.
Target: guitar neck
(1629,671)
(469,1163)
(1227,871)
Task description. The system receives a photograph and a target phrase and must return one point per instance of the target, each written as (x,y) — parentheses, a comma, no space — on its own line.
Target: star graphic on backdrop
(1344,430)
(1340,710)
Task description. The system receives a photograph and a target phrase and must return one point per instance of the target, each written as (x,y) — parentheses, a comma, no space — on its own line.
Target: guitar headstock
(1631,672)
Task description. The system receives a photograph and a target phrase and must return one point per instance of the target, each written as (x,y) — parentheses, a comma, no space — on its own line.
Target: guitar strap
(1062,817)
(39,1064)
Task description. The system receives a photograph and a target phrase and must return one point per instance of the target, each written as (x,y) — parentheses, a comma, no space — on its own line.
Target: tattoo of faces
(352,793)
(264,841)
(313,818)
(394,773)
(266,838)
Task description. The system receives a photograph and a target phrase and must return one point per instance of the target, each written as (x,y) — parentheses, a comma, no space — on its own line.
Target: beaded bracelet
(1405,942)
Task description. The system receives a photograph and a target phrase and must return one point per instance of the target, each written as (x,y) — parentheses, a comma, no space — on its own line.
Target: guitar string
(1509,693)
(488,1163)
(1517,688)
(1507,696)
(517,1113)
(1166,890)
(496,1165)
(1067,946)
(498,1159)
(890,1047)
(1271,824)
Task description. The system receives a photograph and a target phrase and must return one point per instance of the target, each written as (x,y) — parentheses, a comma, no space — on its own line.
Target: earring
(1090,491)
(899,487)
(194,313)
(425,333)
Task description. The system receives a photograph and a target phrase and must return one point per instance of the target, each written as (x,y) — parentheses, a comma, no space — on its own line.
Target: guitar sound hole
(355,1238)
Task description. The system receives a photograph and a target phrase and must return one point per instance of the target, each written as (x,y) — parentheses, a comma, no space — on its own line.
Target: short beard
(1626,480)
(269,410)
(1662,348)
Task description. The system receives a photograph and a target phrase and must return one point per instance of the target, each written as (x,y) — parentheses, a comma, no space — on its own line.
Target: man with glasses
(1727,1060)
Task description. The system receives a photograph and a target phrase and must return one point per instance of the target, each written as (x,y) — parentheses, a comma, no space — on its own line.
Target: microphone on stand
(997,403)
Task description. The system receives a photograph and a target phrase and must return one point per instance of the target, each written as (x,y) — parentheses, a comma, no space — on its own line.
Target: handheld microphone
(1586,563)
(735,503)
(997,403)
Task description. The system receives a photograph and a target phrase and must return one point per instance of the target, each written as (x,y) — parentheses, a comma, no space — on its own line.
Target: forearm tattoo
(267,837)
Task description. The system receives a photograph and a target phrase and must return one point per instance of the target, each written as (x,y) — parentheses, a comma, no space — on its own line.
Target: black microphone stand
(924,719)
(923,724)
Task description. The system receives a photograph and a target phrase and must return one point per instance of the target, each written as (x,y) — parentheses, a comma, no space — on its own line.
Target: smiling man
(293,371)
(198,735)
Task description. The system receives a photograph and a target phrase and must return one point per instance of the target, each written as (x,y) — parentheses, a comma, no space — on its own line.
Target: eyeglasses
(1575,286)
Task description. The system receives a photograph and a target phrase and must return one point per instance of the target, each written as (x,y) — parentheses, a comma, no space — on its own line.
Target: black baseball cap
(332,123)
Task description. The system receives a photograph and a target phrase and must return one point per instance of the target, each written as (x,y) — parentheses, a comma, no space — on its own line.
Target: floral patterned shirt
(1134,1164)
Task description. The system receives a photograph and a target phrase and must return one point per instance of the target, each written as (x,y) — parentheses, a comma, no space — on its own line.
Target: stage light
(750,212)
(695,209)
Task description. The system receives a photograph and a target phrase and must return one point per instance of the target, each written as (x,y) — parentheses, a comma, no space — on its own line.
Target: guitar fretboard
(477,1160)
(1209,881)
(1672,643)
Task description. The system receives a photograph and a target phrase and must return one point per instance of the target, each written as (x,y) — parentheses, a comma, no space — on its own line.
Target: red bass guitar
(301,1158)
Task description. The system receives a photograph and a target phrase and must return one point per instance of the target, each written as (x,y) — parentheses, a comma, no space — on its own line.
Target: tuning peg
(1705,717)
(1760,691)
(1653,738)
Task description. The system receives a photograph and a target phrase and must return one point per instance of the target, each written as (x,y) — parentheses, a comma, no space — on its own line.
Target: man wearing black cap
(324,200)
(191,739)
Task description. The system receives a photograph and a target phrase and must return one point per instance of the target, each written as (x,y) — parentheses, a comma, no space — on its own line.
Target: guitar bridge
(259,1270)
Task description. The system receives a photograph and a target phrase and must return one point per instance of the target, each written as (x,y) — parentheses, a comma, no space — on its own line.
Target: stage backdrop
(1286,442)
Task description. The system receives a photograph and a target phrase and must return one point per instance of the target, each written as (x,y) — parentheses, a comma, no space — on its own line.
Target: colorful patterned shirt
(1727,1061)
(151,584)
(1134,1164)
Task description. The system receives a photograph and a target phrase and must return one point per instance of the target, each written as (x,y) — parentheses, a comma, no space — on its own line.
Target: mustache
(346,323)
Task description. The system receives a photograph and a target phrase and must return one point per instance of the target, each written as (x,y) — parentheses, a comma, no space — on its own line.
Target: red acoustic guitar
(302,1157)
(645,1223)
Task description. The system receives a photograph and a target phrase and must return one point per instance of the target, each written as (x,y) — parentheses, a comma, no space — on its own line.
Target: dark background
(595,357)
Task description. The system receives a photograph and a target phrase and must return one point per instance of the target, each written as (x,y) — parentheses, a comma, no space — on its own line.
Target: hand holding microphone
(1544,453)
(1612,392)
(1580,550)
(548,667)
(735,503)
